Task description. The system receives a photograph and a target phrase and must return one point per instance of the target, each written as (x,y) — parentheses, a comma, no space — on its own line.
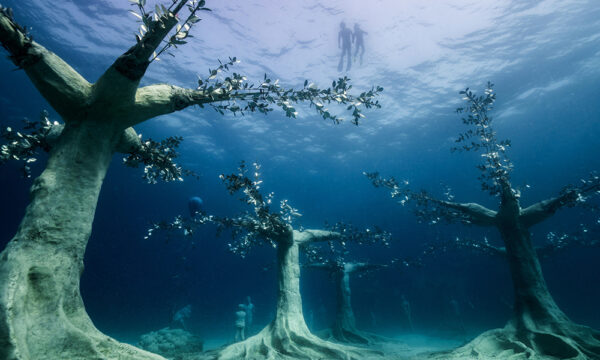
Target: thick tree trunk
(344,315)
(538,328)
(41,311)
(533,306)
(344,328)
(289,301)
(287,336)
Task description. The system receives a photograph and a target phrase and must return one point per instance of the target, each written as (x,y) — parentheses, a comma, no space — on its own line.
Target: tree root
(39,320)
(563,341)
(287,344)
(352,337)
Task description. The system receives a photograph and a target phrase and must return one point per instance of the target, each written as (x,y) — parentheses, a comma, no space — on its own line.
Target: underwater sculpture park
(300,263)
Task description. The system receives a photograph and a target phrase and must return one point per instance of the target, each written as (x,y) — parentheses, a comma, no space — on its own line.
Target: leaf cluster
(572,195)
(239,96)
(158,158)
(159,20)
(426,207)
(24,146)
(496,166)
(180,224)
(263,225)
(249,229)
(21,57)
(584,237)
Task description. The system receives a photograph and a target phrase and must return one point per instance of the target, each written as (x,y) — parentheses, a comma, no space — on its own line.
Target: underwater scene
(261,179)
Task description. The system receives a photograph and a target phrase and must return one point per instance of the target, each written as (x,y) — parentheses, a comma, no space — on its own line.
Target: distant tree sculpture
(287,336)
(41,311)
(335,264)
(538,327)
(344,327)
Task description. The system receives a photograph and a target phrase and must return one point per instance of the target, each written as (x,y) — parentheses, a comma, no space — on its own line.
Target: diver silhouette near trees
(358,38)
(42,315)
(345,43)
(538,327)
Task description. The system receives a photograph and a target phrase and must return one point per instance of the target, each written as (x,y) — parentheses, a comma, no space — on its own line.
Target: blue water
(543,56)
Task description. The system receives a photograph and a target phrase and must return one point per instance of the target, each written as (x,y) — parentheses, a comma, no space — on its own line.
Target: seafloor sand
(406,346)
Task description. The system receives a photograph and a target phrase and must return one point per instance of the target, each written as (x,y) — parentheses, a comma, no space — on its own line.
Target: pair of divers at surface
(345,39)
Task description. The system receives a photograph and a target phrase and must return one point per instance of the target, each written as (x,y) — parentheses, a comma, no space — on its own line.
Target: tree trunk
(287,336)
(289,301)
(538,328)
(533,306)
(344,315)
(344,329)
(41,311)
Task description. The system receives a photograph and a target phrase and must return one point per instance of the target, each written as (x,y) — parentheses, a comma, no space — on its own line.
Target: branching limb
(233,94)
(248,230)
(569,197)
(584,237)
(158,159)
(181,225)
(367,236)
(433,210)
(327,266)
(312,236)
(471,213)
(363,267)
(480,246)
(130,67)
(25,145)
(496,166)
(155,100)
(63,87)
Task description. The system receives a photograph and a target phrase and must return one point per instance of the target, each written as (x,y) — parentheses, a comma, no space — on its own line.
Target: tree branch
(327,266)
(359,267)
(481,246)
(160,99)
(570,196)
(311,236)
(129,68)
(472,213)
(223,96)
(63,87)
(432,209)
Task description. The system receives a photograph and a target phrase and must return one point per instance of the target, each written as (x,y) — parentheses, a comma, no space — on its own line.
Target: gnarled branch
(129,68)
(63,87)
(481,246)
(161,99)
(432,209)
(570,196)
(472,213)
(311,236)
(359,267)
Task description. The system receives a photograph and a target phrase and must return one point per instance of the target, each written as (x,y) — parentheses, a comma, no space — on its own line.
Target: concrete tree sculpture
(538,328)
(42,315)
(344,327)
(287,336)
